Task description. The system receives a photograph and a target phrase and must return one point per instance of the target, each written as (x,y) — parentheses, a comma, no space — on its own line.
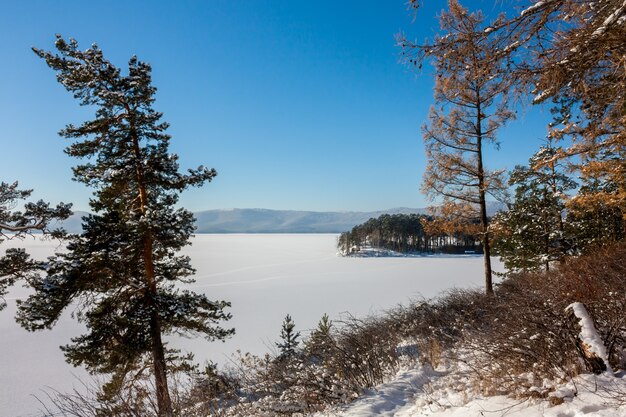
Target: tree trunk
(486,249)
(484,221)
(164,402)
(592,361)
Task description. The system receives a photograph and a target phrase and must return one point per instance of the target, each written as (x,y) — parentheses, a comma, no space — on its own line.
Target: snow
(532,8)
(589,335)
(265,276)
(512,45)
(423,392)
(541,96)
(269,276)
(389,399)
(369,252)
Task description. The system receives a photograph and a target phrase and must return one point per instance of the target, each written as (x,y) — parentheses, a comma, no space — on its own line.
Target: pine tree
(14,224)
(472,98)
(289,339)
(531,234)
(123,273)
(319,342)
(324,326)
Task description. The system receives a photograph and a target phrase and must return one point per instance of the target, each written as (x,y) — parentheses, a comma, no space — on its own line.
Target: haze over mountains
(277,221)
(285,221)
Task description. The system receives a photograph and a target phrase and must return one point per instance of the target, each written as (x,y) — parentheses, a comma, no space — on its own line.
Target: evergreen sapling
(289,339)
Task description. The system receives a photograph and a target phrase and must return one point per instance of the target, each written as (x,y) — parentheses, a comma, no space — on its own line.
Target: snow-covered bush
(521,341)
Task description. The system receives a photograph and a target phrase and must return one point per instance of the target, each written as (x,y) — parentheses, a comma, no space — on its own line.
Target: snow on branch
(615,16)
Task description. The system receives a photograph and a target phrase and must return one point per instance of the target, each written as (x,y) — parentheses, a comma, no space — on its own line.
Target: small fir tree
(289,339)
(14,224)
(123,274)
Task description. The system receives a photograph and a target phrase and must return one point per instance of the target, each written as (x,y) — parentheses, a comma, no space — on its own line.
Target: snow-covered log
(589,343)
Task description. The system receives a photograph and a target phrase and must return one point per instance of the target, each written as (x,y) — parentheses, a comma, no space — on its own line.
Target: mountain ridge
(260,220)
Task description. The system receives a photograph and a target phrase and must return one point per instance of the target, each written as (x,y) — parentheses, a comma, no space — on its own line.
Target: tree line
(406,233)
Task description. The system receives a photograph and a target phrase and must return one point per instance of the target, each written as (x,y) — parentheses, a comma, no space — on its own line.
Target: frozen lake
(264,276)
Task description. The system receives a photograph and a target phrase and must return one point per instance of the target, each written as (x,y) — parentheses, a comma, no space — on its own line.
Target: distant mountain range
(277,221)
(285,221)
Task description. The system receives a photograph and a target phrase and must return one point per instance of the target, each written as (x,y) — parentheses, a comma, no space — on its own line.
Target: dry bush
(364,353)
(333,367)
(526,336)
(285,386)
(520,338)
(437,326)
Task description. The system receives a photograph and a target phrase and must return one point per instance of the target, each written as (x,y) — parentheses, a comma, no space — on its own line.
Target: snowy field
(264,276)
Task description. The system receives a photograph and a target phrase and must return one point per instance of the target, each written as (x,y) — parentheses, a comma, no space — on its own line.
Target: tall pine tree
(123,273)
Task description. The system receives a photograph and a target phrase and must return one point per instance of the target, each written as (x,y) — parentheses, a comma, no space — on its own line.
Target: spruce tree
(14,224)
(123,274)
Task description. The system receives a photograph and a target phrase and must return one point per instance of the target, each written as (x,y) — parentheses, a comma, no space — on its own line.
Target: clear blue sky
(298,105)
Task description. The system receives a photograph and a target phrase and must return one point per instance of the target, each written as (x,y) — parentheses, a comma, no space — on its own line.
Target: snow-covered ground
(423,391)
(264,276)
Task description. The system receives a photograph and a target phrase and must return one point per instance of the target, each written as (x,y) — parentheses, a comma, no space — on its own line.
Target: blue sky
(298,105)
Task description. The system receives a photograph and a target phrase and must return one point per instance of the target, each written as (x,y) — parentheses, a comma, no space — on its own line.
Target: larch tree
(598,224)
(123,274)
(573,53)
(472,103)
(14,224)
